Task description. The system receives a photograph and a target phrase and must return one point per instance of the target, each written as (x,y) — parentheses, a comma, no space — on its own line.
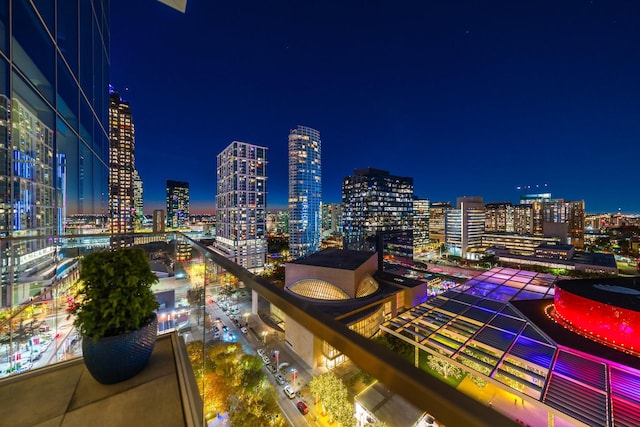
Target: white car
(289,391)
(244,330)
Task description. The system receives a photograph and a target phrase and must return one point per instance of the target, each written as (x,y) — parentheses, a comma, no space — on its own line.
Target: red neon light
(606,323)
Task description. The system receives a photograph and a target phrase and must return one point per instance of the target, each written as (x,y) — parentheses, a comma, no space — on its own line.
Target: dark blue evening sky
(467,97)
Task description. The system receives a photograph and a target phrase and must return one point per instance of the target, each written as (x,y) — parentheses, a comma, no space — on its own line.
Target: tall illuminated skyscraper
(54,72)
(177,204)
(241,204)
(121,164)
(305,191)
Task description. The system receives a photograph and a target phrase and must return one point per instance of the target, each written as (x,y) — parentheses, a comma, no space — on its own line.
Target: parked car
(266,360)
(244,330)
(280,379)
(260,352)
(289,391)
(302,407)
(272,368)
(225,328)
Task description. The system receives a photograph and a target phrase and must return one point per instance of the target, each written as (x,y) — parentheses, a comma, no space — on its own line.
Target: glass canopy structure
(477,329)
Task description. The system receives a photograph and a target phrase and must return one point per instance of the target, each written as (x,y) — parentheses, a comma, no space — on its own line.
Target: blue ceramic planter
(114,359)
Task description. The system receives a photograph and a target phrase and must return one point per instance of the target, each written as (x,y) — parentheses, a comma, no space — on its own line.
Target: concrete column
(254,302)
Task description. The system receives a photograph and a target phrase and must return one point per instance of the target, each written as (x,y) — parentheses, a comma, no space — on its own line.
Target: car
(260,352)
(266,360)
(215,329)
(272,368)
(302,407)
(244,330)
(280,379)
(216,335)
(225,328)
(289,391)
(232,317)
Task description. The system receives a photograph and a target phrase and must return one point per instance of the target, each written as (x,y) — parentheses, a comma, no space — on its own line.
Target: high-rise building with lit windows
(499,217)
(177,204)
(437,212)
(374,201)
(241,204)
(54,130)
(420,224)
(305,191)
(464,227)
(138,196)
(121,164)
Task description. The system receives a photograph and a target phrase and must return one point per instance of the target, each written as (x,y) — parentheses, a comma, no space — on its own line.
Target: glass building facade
(305,191)
(374,201)
(54,139)
(177,204)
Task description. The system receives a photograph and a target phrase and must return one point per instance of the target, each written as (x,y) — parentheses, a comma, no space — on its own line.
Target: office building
(374,201)
(331,219)
(565,219)
(464,227)
(121,164)
(241,204)
(436,220)
(499,217)
(420,225)
(138,198)
(159,221)
(54,130)
(516,243)
(305,191)
(177,204)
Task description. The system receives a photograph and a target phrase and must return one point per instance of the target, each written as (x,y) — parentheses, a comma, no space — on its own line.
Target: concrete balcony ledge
(66,395)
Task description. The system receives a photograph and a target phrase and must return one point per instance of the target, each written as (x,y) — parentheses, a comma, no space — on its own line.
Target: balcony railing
(39,276)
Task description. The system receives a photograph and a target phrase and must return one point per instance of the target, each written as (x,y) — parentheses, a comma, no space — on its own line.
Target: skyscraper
(464,227)
(305,191)
(241,204)
(437,212)
(138,198)
(420,225)
(54,70)
(374,201)
(121,164)
(177,204)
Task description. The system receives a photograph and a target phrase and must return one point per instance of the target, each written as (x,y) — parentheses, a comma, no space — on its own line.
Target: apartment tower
(121,165)
(305,191)
(241,204)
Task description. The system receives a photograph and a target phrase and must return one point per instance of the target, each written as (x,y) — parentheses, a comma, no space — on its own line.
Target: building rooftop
(66,395)
(336,258)
(555,246)
(480,327)
(623,292)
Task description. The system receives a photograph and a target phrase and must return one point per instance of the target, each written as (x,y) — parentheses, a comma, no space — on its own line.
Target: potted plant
(115,313)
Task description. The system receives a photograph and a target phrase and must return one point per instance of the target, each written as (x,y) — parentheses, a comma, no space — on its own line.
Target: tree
(333,396)
(443,367)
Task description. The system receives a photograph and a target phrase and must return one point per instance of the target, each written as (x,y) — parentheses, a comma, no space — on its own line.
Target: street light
(264,337)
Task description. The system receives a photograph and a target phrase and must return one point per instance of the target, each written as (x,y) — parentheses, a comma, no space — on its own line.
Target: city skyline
(466,99)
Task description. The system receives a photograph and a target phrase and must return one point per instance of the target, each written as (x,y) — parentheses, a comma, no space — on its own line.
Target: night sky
(468,98)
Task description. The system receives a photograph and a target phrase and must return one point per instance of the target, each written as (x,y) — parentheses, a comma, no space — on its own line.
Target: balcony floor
(66,395)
